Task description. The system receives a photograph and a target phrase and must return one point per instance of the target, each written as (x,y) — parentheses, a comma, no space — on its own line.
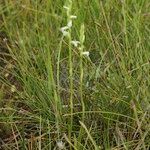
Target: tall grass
(55,94)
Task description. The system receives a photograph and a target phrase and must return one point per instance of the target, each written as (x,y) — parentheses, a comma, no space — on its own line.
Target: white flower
(65,7)
(69,24)
(75,43)
(65,33)
(64,28)
(86,53)
(60,145)
(73,17)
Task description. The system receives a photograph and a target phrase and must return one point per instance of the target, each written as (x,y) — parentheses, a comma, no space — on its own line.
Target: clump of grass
(78,77)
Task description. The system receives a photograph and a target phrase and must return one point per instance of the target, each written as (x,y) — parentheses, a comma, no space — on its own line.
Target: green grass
(52,96)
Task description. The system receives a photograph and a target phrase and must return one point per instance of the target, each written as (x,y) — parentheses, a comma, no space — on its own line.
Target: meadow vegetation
(74,74)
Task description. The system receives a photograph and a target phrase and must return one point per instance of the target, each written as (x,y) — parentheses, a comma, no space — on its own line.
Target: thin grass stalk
(52,88)
(82,38)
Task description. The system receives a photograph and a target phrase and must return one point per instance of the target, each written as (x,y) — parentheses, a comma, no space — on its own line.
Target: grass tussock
(74,74)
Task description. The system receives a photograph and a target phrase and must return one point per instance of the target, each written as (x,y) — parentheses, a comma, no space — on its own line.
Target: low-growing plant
(74,74)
